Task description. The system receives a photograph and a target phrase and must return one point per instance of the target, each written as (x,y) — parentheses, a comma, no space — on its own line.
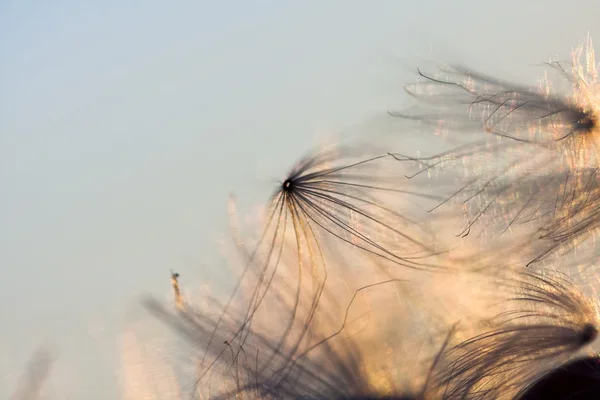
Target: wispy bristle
(349,349)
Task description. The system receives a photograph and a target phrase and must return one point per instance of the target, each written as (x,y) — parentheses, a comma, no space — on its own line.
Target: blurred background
(124,126)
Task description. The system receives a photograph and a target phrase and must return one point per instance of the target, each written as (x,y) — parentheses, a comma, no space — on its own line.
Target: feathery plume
(537,165)
(547,322)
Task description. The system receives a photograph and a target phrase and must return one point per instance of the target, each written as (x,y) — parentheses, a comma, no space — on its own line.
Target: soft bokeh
(124,126)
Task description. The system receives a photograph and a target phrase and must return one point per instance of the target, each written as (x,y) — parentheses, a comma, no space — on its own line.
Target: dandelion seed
(537,166)
(342,205)
(551,322)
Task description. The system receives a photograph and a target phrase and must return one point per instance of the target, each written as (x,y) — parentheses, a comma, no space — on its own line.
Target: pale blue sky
(124,126)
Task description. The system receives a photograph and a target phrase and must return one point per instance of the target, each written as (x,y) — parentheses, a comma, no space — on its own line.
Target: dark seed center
(588,333)
(287,185)
(586,122)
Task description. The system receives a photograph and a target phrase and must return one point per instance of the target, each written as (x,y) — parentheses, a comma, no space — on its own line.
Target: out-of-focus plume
(34,378)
